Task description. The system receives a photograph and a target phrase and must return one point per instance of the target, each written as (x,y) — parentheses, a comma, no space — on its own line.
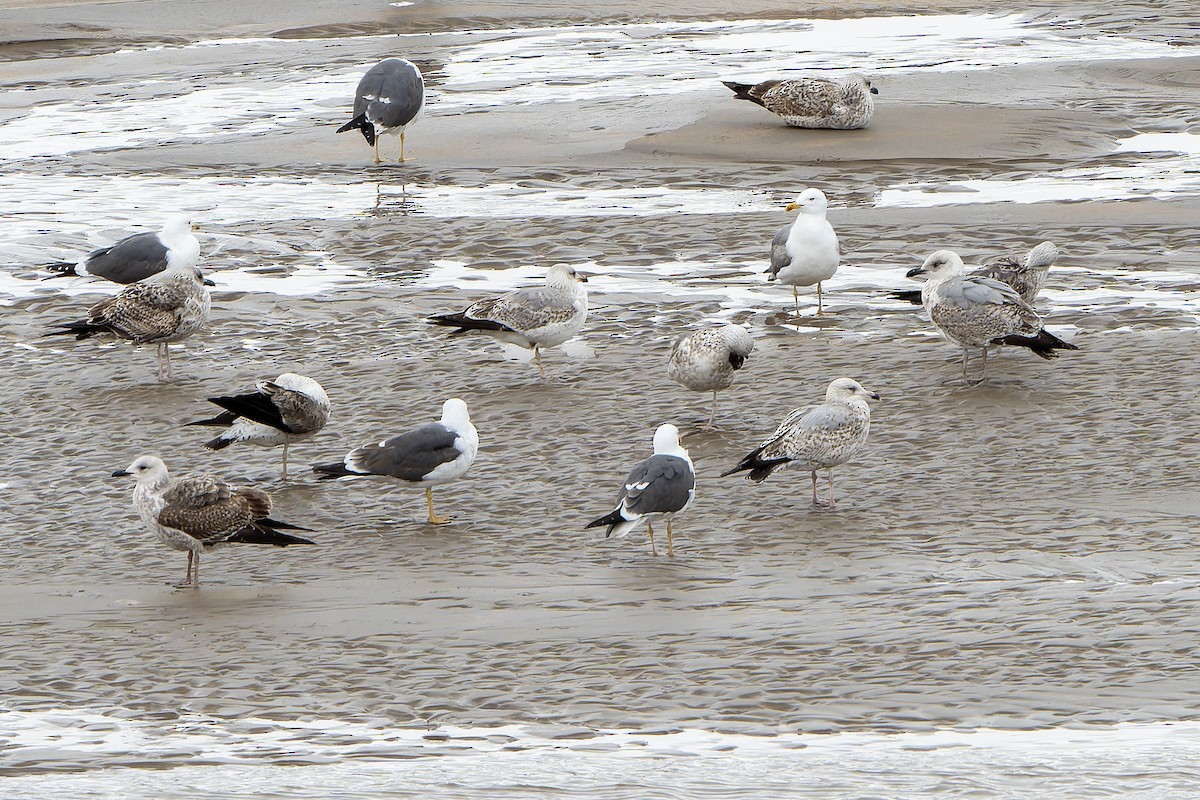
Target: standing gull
(841,103)
(973,311)
(1025,275)
(432,454)
(288,409)
(816,437)
(541,316)
(201,513)
(388,98)
(139,256)
(805,252)
(706,360)
(167,307)
(665,483)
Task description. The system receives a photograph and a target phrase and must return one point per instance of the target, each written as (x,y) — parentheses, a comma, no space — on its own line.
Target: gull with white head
(139,256)
(805,252)
(389,98)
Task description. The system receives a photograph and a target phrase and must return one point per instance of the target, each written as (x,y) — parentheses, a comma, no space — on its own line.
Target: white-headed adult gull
(805,252)
(389,98)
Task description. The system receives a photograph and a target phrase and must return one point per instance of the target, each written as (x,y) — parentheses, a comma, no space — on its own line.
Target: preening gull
(139,256)
(805,252)
(288,409)
(1025,275)
(665,483)
(201,513)
(705,361)
(841,103)
(432,454)
(542,316)
(816,437)
(389,97)
(164,308)
(973,311)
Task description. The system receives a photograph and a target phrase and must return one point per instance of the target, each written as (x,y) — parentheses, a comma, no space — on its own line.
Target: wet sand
(1017,555)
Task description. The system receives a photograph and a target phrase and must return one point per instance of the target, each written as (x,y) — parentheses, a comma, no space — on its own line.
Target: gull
(705,361)
(537,317)
(1025,275)
(977,312)
(389,98)
(164,308)
(139,256)
(289,409)
(665,483)
(816,437)
(805,252)
(201,513)
(432,454)
(841,103)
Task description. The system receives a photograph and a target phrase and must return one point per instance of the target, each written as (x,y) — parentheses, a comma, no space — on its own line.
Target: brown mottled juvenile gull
(973,311)
(816,437)
(201,513)
(705,361)
(289,409)
(1025,275)
(663,484)
(389,98)
(805,252)
(164,308)
(840,103)
(432,454)
(542,316)
(139,256)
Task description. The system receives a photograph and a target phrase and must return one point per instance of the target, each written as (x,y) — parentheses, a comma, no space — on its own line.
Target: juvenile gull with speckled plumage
(705,361)
(139,256)
(1026,275)
(977,312)
(541,316)
(816,437)
(289,409)
(432,454)
(840,103)
(665,484)
(164,308)
(198,514)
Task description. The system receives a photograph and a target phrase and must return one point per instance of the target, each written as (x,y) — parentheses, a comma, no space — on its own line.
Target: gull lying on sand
(705,361)
(805,252)
(973,311)
(816,437)
(1025,275)
(665,483)
(164,308)
(201,513)
(139,256)
(288,409)
(389,98)
(543,316)
(841,103)
(432,454)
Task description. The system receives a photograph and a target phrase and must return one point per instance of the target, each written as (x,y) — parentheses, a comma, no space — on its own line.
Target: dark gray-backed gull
(841,103)
(289,409)
(388,98)
(139,256)
(815,437)
(201,513)
(663,484)
(432,454)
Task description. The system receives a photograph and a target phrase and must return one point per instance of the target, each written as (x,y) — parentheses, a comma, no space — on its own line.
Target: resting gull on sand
(164,308)
(201,513)
(139,256)
(289,409)
(816,437)
(1025,275)
(432,454)
(389,98)
(973,311)
(705,361)
(841,103)
(665,483)
(805,252)
(541,316)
